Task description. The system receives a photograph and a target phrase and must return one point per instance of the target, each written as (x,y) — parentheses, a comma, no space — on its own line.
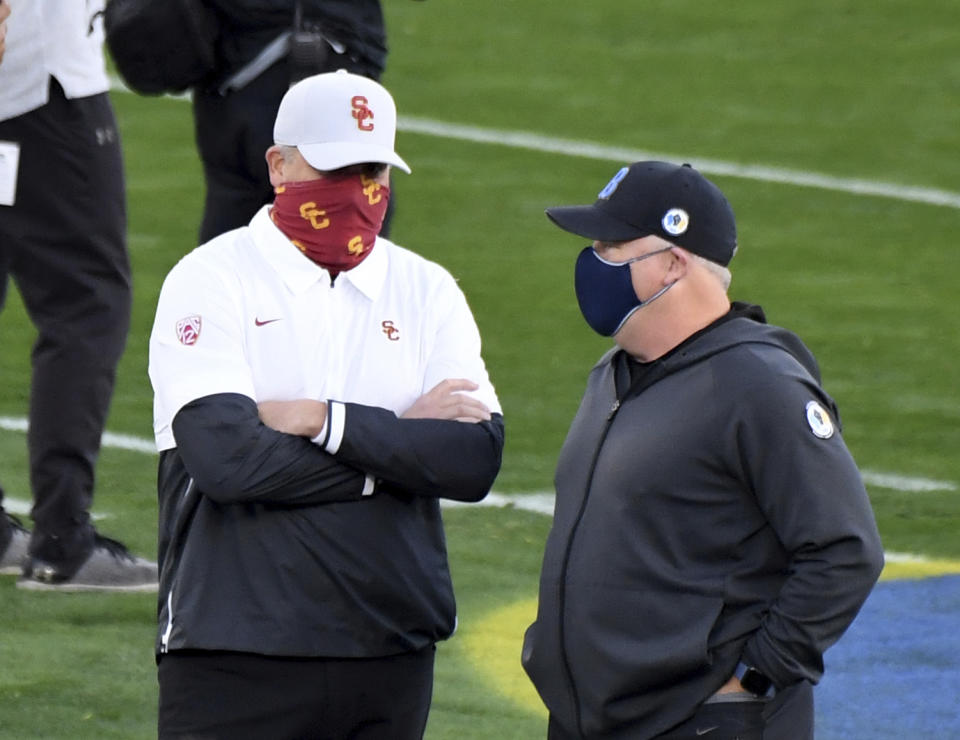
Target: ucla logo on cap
(819,420)
(611,187)
(675,221)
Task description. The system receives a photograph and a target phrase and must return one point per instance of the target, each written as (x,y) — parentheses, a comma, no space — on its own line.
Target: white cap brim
(327,156)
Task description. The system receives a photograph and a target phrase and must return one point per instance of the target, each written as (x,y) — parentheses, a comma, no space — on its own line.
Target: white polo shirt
(248,313)
(51,38)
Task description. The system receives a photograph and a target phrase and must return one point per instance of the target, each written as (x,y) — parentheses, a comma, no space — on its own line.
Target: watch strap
(753,680)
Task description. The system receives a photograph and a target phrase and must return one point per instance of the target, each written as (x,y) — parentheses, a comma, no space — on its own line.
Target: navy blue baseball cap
(674,202)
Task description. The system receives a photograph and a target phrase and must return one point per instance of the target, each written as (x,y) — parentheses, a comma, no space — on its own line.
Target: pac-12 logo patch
(819,420)
(188,330)
(675,221)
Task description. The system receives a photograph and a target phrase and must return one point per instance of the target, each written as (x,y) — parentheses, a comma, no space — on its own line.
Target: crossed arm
(445,445)
(306,418)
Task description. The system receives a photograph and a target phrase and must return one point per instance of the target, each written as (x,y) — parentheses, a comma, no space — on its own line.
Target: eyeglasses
(632,259)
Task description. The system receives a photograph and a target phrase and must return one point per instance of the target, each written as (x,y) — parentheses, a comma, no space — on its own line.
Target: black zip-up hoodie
(709,513)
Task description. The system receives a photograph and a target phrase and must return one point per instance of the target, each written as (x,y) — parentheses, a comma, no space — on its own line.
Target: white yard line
(905,483)
(903,557)
(21,507)
(605,152)
(117,441)
(540,502)
(593,150)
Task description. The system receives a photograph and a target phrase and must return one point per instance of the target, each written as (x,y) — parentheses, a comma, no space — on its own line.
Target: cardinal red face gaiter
(334,220)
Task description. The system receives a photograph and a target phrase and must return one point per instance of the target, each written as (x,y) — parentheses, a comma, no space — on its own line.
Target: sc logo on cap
(675,221)
(361,111)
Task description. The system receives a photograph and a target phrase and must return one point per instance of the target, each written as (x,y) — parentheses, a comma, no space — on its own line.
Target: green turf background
(848,88)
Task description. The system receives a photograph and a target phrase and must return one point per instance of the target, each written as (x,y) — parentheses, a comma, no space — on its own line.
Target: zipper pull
(613,409)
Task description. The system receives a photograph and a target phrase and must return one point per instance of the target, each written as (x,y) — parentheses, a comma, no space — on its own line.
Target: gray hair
(720,272)
(287,151)
(370,169)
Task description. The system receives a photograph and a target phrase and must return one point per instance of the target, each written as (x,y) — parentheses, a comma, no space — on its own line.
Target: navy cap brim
(593,223)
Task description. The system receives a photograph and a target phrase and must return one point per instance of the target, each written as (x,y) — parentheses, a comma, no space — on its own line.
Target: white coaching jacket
(268,542)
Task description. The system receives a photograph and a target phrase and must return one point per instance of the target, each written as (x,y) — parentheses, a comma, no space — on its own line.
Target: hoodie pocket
(626,647)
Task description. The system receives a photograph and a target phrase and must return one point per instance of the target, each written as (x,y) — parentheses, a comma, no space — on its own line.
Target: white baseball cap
(337,119)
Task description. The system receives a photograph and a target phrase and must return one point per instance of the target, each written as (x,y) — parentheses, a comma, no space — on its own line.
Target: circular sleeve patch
(819,420)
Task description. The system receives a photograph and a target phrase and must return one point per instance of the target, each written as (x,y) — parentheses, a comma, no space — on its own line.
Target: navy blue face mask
(605,290)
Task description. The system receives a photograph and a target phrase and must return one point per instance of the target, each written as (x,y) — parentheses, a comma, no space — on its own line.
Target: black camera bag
(161,46)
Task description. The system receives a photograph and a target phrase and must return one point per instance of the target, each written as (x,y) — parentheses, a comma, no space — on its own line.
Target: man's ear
(275,164)
(679,265)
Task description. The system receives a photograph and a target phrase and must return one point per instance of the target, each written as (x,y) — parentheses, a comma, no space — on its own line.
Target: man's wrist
(331,434)
(320,437)
(753,680)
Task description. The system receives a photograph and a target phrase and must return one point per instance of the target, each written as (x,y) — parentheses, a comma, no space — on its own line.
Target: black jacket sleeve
(423,457)
(233,457)
(814,499)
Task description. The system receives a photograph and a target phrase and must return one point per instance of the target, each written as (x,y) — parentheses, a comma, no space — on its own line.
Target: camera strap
(305,44)
(271,53)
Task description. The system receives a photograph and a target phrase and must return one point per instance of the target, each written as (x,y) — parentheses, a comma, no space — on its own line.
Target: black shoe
(109,567)
(14,555)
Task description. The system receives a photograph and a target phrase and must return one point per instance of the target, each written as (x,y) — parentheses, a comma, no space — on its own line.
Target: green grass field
(844,89)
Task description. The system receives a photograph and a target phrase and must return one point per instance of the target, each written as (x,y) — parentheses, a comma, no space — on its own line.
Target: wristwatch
(753,680)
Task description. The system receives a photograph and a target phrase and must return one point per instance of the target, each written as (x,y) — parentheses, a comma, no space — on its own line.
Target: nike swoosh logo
(706,730)
(258,322)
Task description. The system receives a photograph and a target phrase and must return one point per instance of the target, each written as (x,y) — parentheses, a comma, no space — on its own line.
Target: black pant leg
(65,245)
(789,715)
(556,732)
(241,696)
(386,698)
